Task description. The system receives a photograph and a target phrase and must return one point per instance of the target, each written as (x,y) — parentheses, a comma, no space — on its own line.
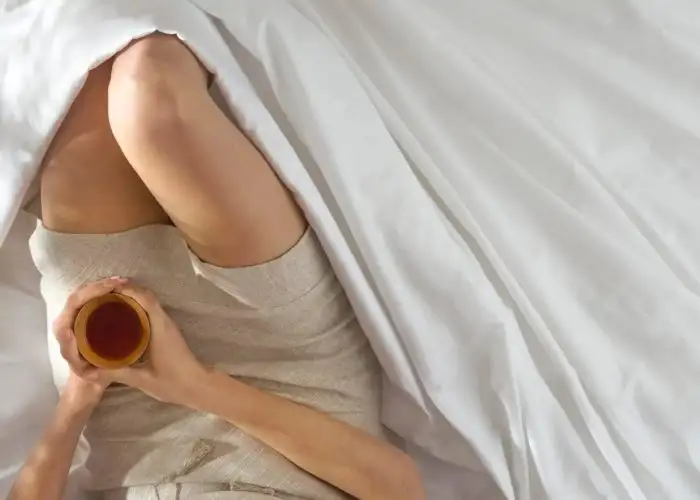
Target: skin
(237,212)
(46,470)
(145,144)
(344,456)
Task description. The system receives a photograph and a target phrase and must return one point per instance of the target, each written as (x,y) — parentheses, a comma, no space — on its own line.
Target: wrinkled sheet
(26,387)
(508,191)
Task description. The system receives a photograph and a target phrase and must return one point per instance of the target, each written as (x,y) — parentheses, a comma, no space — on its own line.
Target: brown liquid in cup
(113,331)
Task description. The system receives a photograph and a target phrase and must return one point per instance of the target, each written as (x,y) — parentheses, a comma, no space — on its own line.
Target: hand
(170,373)
(85,378)
(82,393)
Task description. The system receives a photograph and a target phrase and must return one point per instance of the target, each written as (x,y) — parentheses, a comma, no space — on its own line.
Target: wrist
(198,388)
(74,410)
(206,392)
(75,399)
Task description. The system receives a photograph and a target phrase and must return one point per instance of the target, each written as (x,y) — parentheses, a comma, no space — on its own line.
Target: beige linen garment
(285,326)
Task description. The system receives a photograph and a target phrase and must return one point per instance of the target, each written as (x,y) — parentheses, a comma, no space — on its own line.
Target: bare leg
(214,184)
(87,186)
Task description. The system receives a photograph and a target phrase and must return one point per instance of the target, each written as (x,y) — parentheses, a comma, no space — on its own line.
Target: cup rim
(80,329)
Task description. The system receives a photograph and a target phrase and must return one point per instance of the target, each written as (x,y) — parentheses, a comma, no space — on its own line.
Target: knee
(150,84)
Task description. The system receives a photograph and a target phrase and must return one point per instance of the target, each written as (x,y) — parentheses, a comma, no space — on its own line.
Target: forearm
(45,472)
(349,458)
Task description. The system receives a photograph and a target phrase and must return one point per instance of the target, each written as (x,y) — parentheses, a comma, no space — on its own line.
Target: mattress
(508,191)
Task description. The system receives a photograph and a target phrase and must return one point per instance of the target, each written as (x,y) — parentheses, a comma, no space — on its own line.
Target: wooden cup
(90,354)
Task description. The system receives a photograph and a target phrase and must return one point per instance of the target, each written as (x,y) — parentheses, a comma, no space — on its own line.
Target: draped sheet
(507,189)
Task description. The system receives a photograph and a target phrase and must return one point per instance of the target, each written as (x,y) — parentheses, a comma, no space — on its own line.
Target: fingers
(63,325)
(143,296)
(80,297)
(89,291)
(69,351)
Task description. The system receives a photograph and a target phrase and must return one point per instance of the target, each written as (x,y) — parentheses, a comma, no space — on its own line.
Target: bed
(507,189)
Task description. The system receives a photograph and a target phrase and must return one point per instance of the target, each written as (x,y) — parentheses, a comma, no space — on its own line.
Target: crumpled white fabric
(508,191)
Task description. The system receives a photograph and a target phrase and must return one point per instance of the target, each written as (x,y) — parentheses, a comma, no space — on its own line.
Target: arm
(349,458)
(45,473)
(334,451)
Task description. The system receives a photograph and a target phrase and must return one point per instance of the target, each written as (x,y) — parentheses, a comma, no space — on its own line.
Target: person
(258,382)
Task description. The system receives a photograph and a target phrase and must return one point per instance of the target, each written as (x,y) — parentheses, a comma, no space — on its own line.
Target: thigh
(213,182)
(87,185)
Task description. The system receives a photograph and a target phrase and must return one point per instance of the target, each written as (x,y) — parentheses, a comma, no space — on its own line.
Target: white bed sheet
(31,122)
(26,387)
(508,191)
